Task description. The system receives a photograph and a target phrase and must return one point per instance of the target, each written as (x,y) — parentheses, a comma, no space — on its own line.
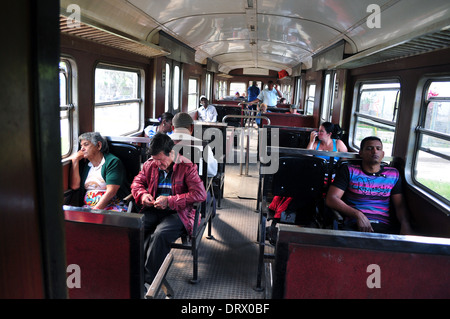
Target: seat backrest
(224,110)
(351,263)
(299,176)
(130,155)
(108,249)
(289,136)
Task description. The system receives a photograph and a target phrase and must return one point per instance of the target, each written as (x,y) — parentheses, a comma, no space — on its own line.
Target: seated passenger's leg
(167,231)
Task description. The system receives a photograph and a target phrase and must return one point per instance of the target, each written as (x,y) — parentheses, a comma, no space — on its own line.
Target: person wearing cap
(183,126)
(269,96)
(206,112)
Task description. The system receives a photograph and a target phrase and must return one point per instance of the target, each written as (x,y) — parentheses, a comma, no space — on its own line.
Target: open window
(67,97)
(118,100)
(432,148)
(376,113)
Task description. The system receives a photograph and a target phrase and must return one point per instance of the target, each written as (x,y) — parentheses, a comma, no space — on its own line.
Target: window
(432,154)
(298,92)
(310,93)
(176,88)
(328,97)
(193,95)
(376,113)
(208,86)
(286,90)
(117,100)
(167,88)
(221,89)
(238,87)
(67,110)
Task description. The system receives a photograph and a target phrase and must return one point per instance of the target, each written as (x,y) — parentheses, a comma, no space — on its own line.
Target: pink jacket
(187,188)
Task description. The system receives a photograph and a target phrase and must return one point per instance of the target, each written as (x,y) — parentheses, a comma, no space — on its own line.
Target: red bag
(282,74)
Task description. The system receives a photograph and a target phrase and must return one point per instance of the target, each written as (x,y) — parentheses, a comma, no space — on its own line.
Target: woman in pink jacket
(167,188)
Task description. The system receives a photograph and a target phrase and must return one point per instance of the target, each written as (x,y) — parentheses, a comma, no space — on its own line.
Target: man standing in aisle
(269,96)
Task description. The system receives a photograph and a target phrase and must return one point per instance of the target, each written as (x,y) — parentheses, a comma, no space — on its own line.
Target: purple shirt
(369,193)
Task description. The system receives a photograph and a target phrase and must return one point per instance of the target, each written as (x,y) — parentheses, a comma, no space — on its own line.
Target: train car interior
(121,67)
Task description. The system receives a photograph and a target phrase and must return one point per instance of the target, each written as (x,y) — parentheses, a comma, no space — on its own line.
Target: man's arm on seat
(402,214)
(334,201)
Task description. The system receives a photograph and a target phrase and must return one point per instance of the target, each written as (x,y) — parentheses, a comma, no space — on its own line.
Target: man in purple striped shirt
(364,192)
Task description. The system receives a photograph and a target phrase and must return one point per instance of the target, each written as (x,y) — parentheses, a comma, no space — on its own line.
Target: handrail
(247,148)
(128,139)
(303,151)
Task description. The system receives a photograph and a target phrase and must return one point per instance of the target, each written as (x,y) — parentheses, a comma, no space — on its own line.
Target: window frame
(71,105)
(307,96)
(298,92)
(233,91)
(196,94)
(167,86)
(140,93)
(326,110)
(382,122)
(176,88)
(420,131)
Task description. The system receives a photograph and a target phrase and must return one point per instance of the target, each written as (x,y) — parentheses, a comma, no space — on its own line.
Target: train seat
(224,110)
(291,137)
(330,264)
(300,178)
(130,155)
(108,249)
(217,131)
(205,211)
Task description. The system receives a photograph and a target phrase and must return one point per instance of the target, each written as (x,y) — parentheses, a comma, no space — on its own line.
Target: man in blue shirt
(269,96)
(253,92)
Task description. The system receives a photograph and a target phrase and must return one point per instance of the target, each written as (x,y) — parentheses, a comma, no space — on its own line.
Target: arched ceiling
(266,34)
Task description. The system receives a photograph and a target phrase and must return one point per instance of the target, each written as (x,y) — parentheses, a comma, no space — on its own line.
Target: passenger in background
(206,112)
(167,187)
(327,139)
(269,96)
(253,92)
(363,193)
(262,108)
(283,101)
(293,109)
(183,126)
(102,181)
(165,125)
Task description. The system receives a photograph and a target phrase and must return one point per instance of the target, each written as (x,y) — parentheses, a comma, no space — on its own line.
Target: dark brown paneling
(31,251)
